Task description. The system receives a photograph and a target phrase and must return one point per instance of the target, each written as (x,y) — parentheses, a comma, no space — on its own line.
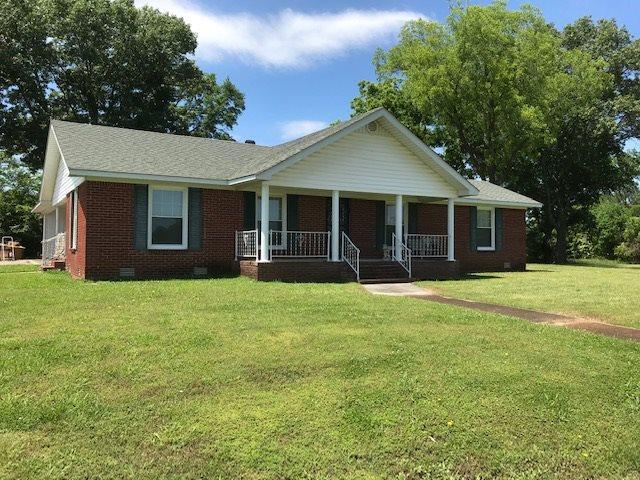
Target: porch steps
(54,265)
(376,271)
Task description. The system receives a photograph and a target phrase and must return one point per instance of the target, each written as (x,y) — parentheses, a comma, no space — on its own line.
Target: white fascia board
(497,203)
(100,175)
(52,158)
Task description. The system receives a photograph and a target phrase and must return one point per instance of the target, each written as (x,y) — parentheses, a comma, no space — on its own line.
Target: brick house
(364,199)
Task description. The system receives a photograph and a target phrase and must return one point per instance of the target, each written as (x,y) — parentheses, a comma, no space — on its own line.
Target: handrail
(351,255)
(54,247)
(405,254)
(427,245)
(299,244)
(247,244)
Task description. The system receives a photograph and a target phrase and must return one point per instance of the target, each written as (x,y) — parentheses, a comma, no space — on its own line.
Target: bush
(610,223)
(579,245)
(629,249)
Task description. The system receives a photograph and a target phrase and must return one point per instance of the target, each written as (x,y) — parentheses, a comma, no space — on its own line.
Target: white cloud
(297,128)
(287,38)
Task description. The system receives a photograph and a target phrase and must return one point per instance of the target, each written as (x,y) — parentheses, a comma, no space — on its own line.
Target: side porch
(320,236)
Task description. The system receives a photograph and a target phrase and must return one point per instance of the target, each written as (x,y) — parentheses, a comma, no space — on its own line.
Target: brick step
(382,272)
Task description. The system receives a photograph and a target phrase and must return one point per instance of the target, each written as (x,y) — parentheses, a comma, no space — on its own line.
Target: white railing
(299,244)
(427,245)
(351,255)
(404,259)
(247,244)
(53,248)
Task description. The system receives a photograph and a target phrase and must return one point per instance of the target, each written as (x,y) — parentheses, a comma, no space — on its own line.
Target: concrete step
(369,281)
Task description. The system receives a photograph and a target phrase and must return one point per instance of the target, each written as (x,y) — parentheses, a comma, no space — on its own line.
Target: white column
(451,221)
(335,226)
(264,222)
(399,218)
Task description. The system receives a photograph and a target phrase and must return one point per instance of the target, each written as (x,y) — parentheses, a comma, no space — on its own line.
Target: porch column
(399,218)
(451,241)
(264,225)
(335,226)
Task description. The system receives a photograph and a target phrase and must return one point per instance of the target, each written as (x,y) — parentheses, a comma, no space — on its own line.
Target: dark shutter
(413,217)
(499,229)
(249,210)
(140,216)
(380,223)
(473,228)
(293,219)
(195,219)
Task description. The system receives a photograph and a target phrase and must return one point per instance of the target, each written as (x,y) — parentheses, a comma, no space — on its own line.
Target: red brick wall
(432,219)
(312,213)
(362,227)
(513,251)
(76,259)
(109,235)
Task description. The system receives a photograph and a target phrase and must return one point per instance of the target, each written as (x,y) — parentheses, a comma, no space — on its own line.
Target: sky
(299,62)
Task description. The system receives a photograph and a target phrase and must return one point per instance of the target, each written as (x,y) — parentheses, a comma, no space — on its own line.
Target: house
(364,199)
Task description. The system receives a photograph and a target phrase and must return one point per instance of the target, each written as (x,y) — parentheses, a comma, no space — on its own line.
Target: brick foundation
(297,271)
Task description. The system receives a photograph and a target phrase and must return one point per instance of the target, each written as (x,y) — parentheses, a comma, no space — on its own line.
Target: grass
(231,378)
(606,290)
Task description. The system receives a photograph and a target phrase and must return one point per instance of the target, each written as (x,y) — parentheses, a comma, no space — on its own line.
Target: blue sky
(299,62)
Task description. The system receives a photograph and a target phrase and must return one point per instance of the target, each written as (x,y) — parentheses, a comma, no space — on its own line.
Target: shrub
(610,223)
(629,249)
(579,245)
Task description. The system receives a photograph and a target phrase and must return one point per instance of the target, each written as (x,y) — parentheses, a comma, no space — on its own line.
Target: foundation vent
(507,265)
(127,272)
(200,271)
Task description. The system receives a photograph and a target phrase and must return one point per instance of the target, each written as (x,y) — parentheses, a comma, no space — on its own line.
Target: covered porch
(54,236)
(319,235)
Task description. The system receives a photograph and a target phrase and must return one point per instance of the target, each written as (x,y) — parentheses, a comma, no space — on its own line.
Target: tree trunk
(560,252)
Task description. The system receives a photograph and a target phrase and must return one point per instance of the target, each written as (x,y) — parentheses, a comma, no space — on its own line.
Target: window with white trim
(168,209)
(486,228)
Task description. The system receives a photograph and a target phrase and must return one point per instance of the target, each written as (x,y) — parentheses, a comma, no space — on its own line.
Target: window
(275,213)
(276,217)
(485,236)
(73,234)
(167,218)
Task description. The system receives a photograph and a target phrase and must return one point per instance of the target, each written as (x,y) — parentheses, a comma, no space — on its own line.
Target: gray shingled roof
(490,192)
(120,150)
(100,149)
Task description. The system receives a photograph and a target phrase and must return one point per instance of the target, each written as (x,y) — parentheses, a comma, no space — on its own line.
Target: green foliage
(517,102)
(579,245)
(18,195)
(610,222)
(629,249)
(104,62)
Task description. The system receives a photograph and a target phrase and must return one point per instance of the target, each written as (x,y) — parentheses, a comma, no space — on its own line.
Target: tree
(515,106)
(629,249)
(105,62)
(18,195)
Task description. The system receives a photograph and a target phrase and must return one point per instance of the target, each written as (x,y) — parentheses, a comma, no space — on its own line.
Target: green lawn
(236,379)
(601,289)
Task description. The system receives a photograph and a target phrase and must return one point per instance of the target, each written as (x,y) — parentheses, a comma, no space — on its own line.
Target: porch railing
(424,246)
(299,244)
(247,244)
(404,259)
(53,248)
(351,255)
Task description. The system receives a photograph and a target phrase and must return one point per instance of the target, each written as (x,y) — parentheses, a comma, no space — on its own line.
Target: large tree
(515,106)
(104,62)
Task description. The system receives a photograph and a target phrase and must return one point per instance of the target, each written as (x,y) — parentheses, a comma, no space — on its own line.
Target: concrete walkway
(588,324)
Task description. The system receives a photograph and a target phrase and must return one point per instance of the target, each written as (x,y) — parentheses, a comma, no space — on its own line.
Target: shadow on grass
(601,263)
